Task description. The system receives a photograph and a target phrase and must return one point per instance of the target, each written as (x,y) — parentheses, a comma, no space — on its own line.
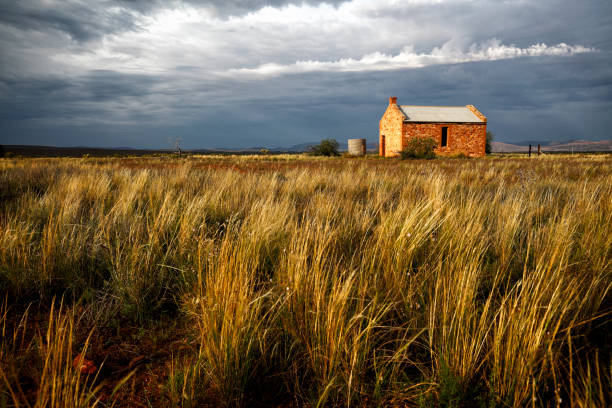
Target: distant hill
(498,147)
(581,146)
(546,146)
(302,147)
(75,151)
(501,147)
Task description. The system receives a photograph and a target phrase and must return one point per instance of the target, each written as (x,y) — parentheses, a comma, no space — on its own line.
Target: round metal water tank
(357,147)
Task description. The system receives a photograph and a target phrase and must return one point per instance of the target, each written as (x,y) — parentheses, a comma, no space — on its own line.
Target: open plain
(286,281)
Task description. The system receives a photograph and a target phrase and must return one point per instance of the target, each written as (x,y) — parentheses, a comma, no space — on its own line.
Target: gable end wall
(391,128)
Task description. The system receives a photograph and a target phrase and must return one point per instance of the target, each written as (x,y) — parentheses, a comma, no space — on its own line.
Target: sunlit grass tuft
(322,282)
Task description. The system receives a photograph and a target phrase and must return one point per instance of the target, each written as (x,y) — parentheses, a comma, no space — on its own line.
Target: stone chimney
(393,100)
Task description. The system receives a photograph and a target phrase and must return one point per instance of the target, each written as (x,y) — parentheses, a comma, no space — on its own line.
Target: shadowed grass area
(300,281)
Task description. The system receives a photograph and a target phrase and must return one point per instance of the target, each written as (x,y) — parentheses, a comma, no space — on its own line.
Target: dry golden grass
(296,281)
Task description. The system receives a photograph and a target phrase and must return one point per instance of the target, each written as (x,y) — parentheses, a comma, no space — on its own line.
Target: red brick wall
(469,138)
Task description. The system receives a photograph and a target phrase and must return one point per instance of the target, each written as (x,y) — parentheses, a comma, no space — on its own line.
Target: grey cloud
(549,20)
(104,85)
(545,101)
(79,21)
(526,98)
(238,7)
(220,8)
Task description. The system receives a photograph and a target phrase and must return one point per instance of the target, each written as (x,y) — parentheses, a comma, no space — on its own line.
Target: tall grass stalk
(58,383)
(324,282)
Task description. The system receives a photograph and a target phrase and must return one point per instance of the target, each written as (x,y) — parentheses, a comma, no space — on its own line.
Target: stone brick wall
(391,129)
(467,138)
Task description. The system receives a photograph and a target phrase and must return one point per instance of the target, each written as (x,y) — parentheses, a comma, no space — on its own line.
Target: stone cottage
(457,129)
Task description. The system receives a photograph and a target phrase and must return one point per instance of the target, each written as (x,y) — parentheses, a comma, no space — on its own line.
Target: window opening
(444,137)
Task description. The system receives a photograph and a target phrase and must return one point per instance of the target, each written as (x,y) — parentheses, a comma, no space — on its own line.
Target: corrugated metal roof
(454,114)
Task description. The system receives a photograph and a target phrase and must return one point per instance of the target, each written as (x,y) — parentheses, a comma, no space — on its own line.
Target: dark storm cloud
(229,7)
(80,21)
(84,22)
(134,73)
(546,102)
(101,96)
(104,85)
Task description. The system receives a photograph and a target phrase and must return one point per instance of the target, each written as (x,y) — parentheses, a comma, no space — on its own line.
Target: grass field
(287,281)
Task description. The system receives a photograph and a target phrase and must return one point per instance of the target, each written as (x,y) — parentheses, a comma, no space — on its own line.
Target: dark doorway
(382,145)
(444,137)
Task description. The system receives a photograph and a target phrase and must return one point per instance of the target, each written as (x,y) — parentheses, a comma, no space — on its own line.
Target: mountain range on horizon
(523,146)
(574,145)
(497,147)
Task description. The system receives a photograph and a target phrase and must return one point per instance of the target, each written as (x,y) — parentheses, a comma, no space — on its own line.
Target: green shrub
(490,137)
(419,148)
(328,147)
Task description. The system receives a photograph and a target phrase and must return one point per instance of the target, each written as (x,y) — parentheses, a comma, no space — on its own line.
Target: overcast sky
(231,73)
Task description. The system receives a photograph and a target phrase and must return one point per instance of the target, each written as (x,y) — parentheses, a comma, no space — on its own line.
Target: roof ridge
(433,113)
(438,106)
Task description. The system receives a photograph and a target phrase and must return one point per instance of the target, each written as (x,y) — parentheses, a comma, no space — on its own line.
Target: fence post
(529,150)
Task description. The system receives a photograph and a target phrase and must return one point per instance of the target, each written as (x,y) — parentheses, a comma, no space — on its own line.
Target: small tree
(328,147)
(488,147)
(419,148)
